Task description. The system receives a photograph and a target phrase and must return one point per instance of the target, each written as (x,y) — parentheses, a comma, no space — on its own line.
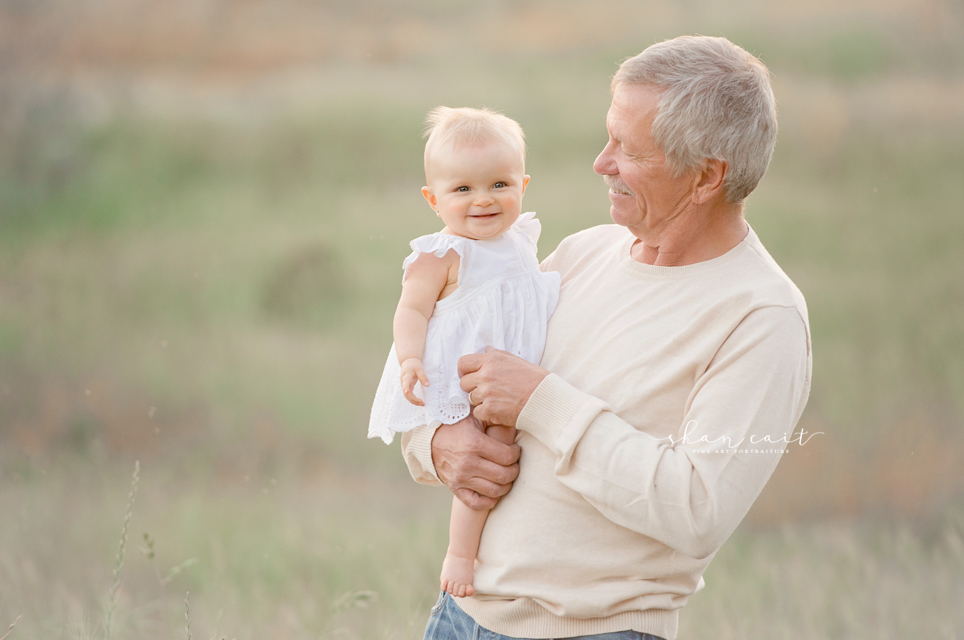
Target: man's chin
(620,216)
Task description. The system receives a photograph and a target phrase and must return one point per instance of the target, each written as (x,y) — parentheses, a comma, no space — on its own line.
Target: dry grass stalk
(10,628)
(112,602)
(187,614)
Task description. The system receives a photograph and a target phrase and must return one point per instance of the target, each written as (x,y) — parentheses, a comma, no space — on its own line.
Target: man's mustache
(617,185)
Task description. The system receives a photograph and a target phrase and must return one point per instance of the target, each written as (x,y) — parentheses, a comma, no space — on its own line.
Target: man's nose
(604,164)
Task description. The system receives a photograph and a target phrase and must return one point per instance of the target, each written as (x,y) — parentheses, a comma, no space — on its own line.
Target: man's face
(644,193)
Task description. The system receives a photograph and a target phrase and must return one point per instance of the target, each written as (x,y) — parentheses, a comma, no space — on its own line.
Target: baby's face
(477,191)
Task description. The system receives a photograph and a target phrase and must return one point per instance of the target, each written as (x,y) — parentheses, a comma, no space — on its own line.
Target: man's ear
(709,182)
(430,198)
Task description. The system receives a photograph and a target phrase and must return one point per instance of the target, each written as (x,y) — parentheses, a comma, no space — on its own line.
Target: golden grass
(356,556)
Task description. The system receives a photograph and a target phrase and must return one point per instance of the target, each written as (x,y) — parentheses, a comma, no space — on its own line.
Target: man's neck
(697,237)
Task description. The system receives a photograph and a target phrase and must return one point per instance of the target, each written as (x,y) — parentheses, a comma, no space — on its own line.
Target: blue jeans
(449,622)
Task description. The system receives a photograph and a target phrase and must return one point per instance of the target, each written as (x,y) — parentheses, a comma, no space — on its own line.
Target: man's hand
(477,468)
(499,384)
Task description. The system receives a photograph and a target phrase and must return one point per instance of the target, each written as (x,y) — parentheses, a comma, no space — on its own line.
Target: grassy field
(203,210)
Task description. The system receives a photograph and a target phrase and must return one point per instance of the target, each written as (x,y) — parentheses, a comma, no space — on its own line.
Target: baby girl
(475,283)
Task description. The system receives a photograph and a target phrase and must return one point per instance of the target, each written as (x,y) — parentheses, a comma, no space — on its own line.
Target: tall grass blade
(119,564)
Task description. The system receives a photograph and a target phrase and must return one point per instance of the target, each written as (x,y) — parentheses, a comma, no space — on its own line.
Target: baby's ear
(430,198)
(525,183)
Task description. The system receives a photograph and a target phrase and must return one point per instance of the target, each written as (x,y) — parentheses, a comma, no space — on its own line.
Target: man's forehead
(633,106)
(637,99)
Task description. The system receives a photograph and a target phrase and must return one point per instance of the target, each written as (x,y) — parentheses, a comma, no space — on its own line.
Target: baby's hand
(412,370)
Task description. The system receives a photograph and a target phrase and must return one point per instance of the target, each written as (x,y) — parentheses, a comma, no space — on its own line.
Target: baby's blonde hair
(467,127)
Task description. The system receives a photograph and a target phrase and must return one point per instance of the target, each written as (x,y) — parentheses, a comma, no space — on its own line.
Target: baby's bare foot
(457,575)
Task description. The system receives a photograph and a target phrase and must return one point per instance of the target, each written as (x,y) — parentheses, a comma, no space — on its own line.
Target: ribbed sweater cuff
(417,451)
(554,406)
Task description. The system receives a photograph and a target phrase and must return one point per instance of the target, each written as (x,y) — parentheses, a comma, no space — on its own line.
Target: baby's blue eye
(500,185)
(462,189)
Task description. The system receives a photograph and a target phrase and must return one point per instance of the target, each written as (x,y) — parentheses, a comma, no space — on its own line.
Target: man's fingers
(482,413)
(470,363)
(479,493)
(476,467)
(489,489)
(469,382)
(479,444)
(499,453)
(486,414)
(500,475)
(474,501)
(484,476)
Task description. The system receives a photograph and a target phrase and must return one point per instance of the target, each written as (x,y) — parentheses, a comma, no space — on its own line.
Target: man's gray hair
(715,102)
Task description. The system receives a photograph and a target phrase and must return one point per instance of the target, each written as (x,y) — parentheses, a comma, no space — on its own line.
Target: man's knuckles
(504,475)
(469,497)
(474,446)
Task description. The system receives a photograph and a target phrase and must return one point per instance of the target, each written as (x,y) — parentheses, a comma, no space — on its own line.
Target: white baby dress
(502,300)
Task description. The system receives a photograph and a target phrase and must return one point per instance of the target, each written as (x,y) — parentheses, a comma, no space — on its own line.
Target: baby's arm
(425,281)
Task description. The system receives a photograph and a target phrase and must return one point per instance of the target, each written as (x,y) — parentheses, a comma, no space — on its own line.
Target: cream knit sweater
(674,391)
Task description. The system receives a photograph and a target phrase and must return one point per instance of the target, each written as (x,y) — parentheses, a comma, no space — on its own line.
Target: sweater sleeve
(692,490)
(417,452)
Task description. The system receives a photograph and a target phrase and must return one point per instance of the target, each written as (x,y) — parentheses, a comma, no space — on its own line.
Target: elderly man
(676,367)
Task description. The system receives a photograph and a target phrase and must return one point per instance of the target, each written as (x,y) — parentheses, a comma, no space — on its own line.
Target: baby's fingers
(408,390)
(422,376)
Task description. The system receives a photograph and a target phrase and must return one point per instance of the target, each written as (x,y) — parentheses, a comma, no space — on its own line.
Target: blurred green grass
(202,262)
(336,554)
(211,291)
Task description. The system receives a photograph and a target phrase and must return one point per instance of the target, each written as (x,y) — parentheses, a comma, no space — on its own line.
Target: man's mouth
(617,186)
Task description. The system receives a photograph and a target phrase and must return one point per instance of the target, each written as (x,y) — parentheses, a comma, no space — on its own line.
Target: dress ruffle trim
(438,244)
(529,224)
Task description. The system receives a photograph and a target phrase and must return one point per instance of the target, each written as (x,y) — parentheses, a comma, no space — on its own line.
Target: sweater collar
(650,271)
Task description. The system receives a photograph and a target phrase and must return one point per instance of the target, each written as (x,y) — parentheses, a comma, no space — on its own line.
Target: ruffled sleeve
(439,244)
(529,225)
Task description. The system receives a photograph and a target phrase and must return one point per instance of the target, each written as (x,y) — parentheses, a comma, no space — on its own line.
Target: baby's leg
(465,532)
